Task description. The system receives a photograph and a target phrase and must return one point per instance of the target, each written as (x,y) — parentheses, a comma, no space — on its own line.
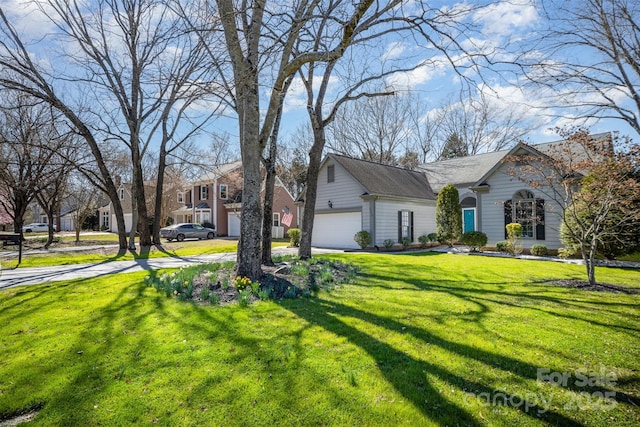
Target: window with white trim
(204,192)
(276,219)
(406,229)
(224,191)
(331,173)
(524,211)
(180,196)
(121,193)
(405,225)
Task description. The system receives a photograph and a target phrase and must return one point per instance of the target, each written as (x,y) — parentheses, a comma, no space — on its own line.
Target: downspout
(214,196)
(373,220)
(193,203)
(478,210)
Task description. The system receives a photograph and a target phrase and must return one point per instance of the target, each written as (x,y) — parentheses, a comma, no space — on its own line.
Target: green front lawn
(417,340)
(111,253)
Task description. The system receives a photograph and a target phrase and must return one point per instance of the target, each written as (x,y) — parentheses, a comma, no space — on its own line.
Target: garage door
(336,230)
(127,223)
(233,224)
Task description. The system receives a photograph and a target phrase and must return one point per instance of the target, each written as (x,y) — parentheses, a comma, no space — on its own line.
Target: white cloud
(394,50)
(27,18)
(297,95)
(507,18)
(420,75)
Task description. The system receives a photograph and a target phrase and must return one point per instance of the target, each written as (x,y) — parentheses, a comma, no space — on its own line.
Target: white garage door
(127,223)
(233,224)
(336,230)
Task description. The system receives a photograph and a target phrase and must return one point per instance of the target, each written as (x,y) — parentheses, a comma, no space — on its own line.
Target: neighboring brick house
(107,217)
(216,198)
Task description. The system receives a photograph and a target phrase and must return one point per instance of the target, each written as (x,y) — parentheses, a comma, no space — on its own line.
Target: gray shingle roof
(219,171)
(470,170)
(577,151)
(383,180)
(461,170)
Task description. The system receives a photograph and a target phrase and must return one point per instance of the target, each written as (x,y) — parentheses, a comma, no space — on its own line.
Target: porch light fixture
(330,204)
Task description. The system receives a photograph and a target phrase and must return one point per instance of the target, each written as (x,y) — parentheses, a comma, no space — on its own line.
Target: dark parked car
(186,231)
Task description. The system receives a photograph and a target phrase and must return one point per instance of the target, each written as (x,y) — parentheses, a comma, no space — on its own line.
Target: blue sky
(516,21)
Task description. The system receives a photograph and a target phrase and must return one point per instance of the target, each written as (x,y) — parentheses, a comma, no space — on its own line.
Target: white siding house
(355,195)
(391,203)
(502,194)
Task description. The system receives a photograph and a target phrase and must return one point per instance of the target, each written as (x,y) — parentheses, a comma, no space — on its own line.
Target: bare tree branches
(30,167)
(590,58)
(127,72)
(597,190)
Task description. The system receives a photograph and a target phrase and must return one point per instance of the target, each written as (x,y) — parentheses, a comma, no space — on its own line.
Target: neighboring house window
(276,219)
(121,193)
(527,211)
(105,219)
(224,192)
(405,225)
(180,196)
(204,192)
(331,173)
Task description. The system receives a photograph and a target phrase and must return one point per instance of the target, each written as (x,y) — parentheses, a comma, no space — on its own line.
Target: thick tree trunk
(134,219)
(20,203)
(117,207)
(588,256)
(311,190)
(591,268)
(248,257)
(270,183)
(157,209)
(267,213)
(142,223)
(50,217)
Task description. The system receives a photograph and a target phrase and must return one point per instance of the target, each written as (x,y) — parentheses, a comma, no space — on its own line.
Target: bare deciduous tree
(132,71)
(373,128)
(83,199)
(256,34)
(596,189)
(28,142)
(292,163)
(482,124)
(591,58)
(428,27)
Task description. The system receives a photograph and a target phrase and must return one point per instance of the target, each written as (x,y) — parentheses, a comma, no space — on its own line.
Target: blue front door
(469,220)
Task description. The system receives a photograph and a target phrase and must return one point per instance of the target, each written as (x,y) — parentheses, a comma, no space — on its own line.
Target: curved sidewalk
(38,275)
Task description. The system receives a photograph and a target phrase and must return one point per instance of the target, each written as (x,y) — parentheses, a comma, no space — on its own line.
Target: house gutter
(214,195)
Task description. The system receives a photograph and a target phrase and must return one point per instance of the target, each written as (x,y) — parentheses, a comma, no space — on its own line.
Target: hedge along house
(494,190)
(353,195)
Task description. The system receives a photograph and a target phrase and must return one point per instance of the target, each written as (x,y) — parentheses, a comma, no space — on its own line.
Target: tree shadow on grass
(531,299)
(409,376)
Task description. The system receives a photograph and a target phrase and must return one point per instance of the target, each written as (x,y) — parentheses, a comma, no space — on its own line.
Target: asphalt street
(37,275)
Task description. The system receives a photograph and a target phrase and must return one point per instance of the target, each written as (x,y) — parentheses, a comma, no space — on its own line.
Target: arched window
(468,202)
(524,211)
(528,211)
